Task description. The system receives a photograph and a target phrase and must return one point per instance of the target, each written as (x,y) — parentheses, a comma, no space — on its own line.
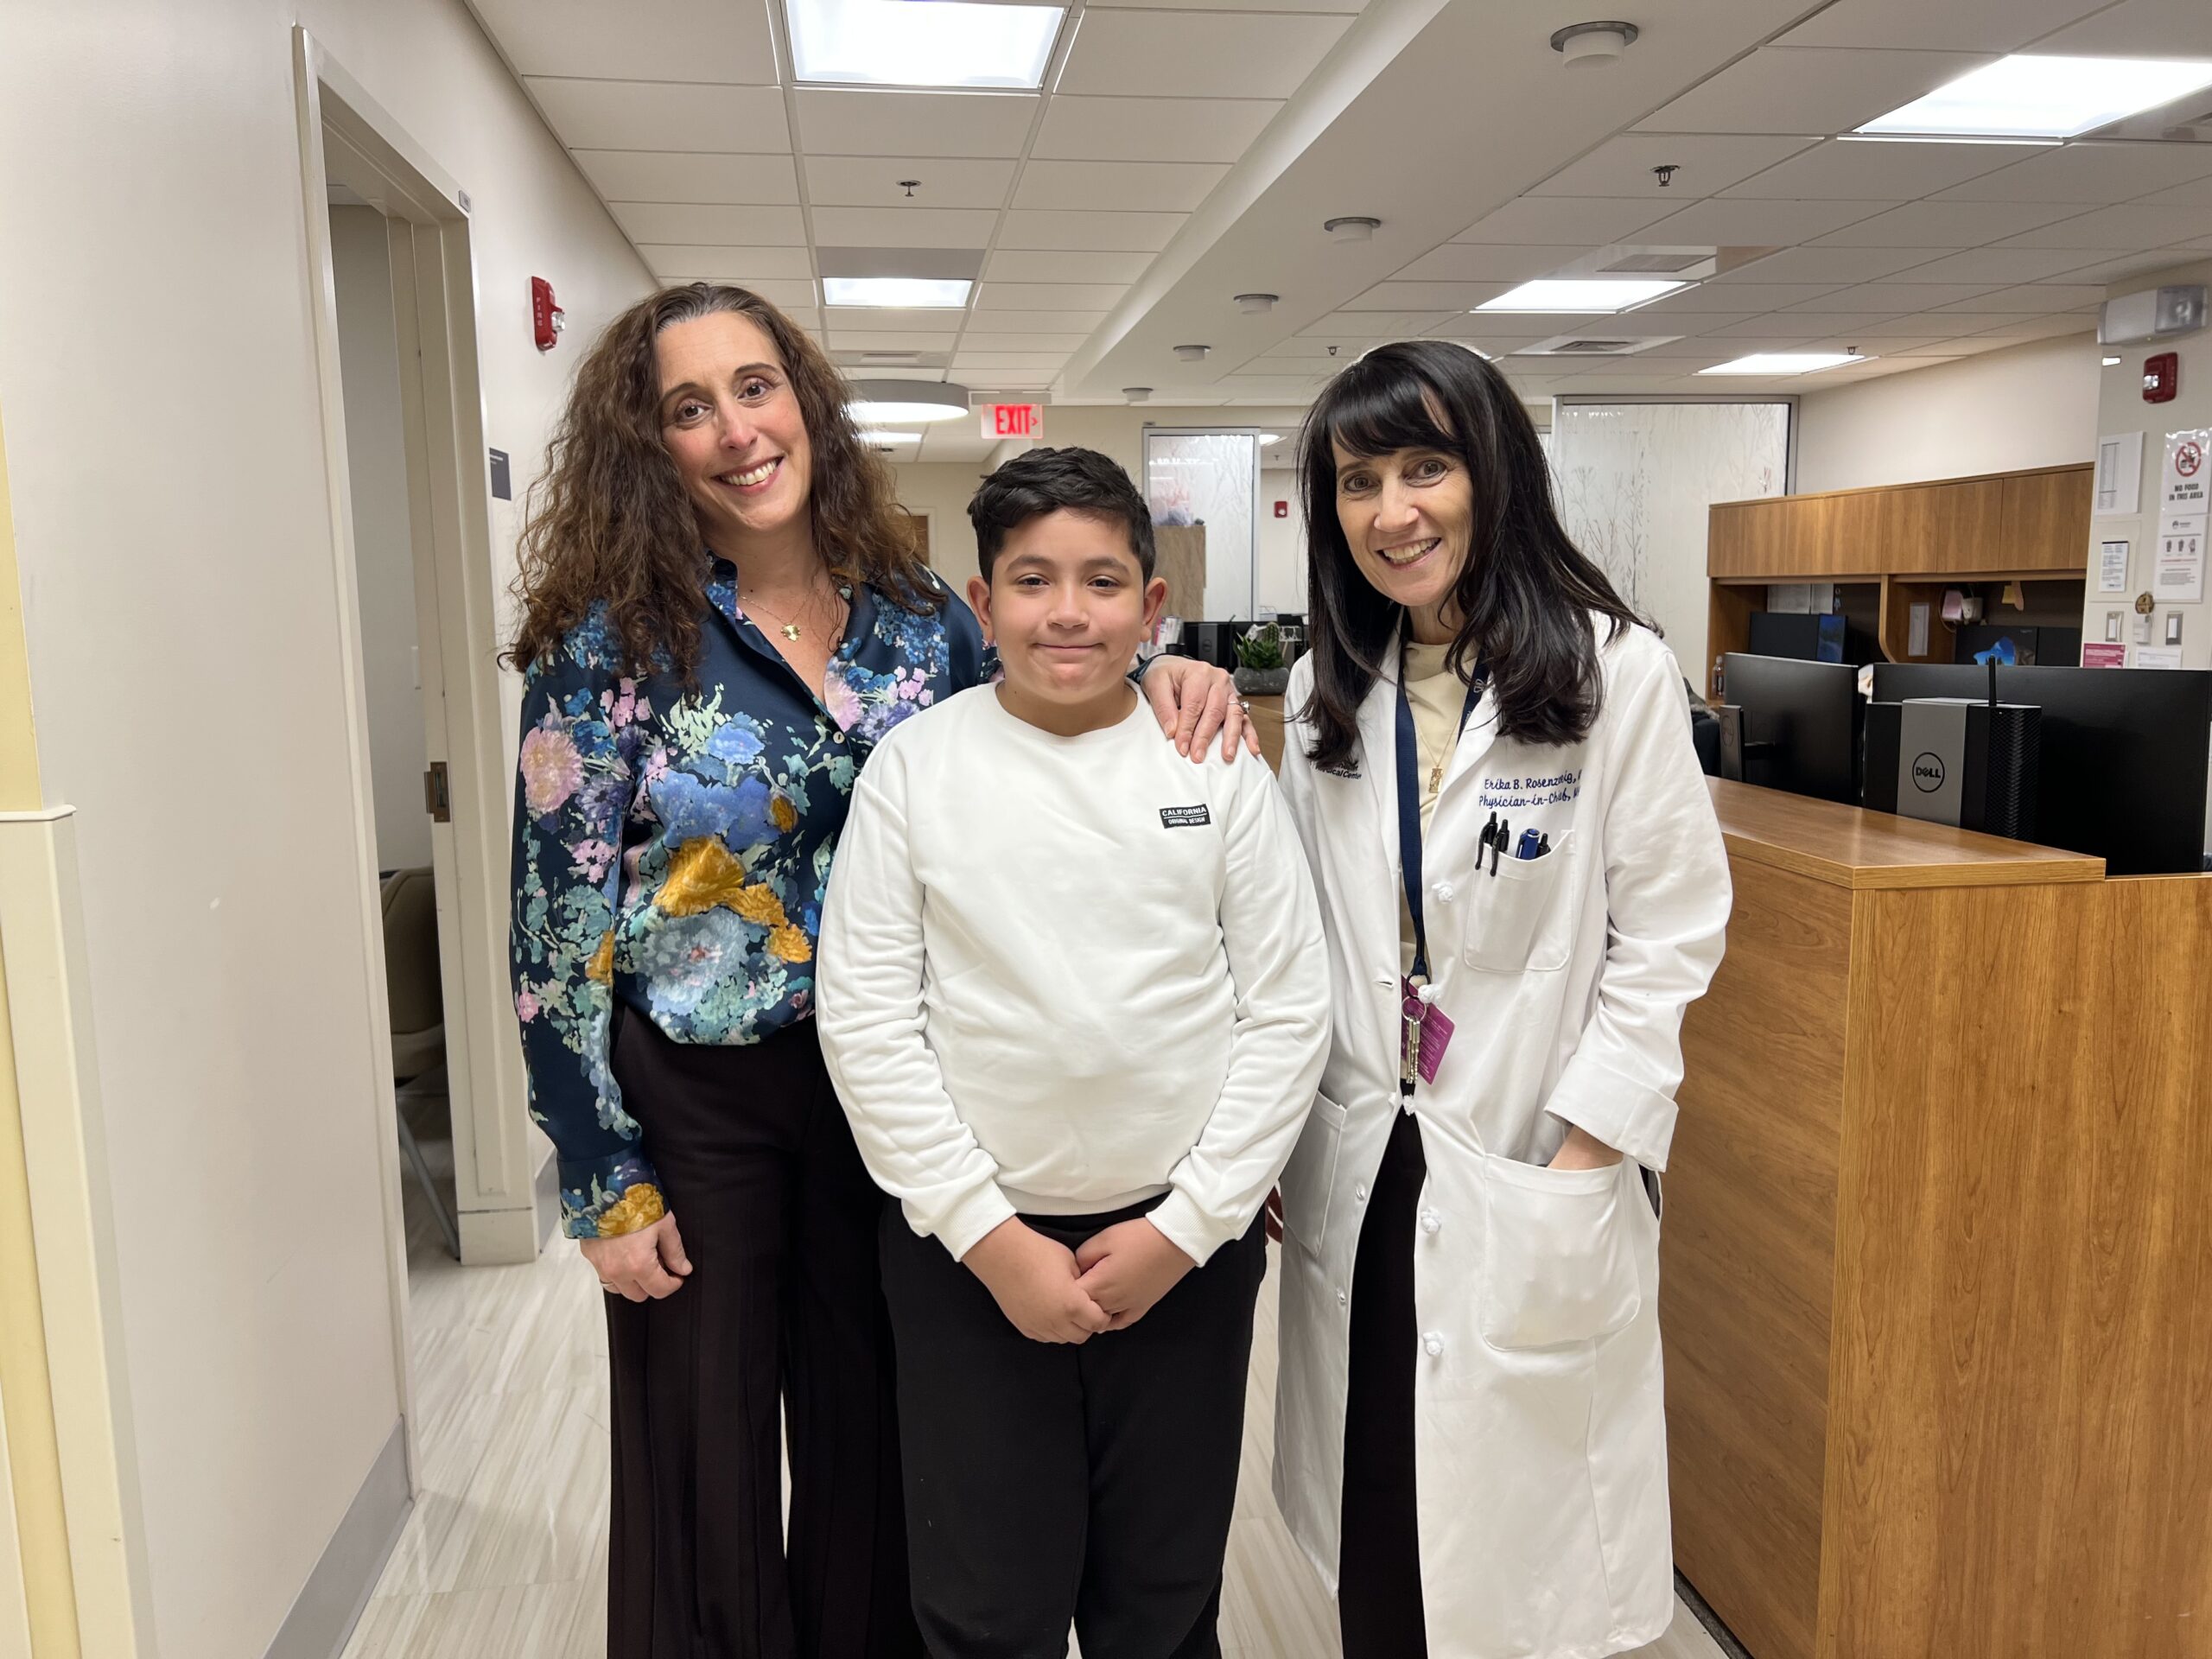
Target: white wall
(1279,578)
(383,551)
(2120,409)
(2033,405)
(181,614)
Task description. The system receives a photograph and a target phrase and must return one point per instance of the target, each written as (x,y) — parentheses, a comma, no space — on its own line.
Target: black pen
(1497,843)
(1490,836)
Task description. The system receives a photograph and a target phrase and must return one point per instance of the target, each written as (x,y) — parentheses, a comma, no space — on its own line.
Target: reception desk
(1936,1283)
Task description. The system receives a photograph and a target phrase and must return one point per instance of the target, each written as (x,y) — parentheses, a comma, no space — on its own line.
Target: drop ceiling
(1185,153)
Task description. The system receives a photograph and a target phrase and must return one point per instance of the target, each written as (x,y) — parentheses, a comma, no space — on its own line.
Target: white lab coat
(1539,1432)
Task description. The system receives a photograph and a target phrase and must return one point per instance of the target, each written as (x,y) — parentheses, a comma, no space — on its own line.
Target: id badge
(1427,1034)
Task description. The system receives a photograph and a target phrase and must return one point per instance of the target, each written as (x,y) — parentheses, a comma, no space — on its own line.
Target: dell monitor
(1800,724)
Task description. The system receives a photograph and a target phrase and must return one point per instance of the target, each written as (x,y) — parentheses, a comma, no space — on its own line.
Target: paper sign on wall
(2111,567)
(2180,573)
(2188,473)
(2102,655)
(2157,656)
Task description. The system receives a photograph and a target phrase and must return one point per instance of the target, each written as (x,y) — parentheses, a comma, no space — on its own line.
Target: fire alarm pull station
(546,319)
(2161,377)
(1282,509)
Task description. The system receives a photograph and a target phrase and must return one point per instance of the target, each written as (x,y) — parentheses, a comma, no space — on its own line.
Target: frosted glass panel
(1211,479)
(1634,481)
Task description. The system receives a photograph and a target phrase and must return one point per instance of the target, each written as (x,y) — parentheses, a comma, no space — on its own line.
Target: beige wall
(941,490)
(2031,406)
(384,553)
(180,617)
(2120,409)
(1279,572)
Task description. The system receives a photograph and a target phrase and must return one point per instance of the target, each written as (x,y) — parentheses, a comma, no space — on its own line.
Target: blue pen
(1530,844)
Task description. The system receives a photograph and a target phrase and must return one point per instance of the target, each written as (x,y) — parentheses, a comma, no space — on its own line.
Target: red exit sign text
(1014,420)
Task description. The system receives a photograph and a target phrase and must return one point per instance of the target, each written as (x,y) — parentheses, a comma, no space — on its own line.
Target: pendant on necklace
(790,631)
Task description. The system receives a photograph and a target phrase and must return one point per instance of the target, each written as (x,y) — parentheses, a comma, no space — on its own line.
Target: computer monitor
(1801,723)
(2124,754)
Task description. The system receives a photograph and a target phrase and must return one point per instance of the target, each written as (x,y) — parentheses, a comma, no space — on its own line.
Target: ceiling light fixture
(2047,98)
(946,44)
(1356,227)
(2112,362)
(1266,438)
(1786,363)
(880,404)
(1604,295)
(1594,46)
(897,293)
(890,437)
(1137,394)
(1191,353)
(1254,304)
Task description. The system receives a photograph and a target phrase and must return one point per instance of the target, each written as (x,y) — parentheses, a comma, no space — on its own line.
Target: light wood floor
(504,1556)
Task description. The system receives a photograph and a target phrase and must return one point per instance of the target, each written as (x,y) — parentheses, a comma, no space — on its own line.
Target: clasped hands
(1051,1293)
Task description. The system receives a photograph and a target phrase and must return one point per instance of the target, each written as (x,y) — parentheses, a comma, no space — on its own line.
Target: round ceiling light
(1137,394)
(1593,45)
(1356,227)
(1254,304)
(883,403)
(1191,353)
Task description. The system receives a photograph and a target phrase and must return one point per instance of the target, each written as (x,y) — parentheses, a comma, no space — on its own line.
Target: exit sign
(1014,420)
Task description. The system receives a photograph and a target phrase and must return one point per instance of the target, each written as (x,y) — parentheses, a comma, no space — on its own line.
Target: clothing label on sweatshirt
(1184,817)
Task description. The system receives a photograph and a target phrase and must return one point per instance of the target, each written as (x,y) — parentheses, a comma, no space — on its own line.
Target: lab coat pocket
(1507,924)
(1559,1257)
(1311,1174)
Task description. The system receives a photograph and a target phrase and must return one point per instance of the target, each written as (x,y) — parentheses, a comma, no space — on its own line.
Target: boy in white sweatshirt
(1073,995)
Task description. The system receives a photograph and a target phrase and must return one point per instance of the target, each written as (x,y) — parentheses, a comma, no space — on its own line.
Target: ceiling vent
(889,359)
(1666,264)
(1594,345)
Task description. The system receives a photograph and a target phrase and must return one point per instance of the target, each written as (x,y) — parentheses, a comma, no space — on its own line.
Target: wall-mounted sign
(1014,421)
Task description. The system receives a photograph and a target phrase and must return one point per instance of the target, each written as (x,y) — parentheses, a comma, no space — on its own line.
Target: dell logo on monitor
(1928,772)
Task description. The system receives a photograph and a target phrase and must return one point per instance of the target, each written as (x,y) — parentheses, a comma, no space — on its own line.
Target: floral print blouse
(671,849)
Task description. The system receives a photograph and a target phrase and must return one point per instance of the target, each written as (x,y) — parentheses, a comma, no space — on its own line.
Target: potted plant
(1261,671)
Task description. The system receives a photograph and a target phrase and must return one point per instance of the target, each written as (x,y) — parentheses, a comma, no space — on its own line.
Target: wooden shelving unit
(1910,542)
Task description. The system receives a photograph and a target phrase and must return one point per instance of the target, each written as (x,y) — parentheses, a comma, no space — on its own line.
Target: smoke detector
(1594,46)
(1191,353)
(1356,228)
(1256,304)
(1137,394)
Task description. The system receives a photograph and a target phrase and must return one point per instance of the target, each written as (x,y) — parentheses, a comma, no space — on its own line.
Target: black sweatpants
(781,1324)
(1378,1566)
(1048,1482)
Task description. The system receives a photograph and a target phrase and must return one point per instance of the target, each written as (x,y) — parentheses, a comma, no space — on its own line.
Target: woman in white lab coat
(1470,1439)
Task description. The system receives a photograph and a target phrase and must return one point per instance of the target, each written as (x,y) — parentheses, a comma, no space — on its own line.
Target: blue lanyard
(1409,803)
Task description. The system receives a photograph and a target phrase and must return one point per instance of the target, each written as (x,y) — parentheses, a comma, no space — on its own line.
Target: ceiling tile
(2198,195)
(2130,226)
(641,40)
(1197,53)
(1425,296)
(1622,166)
(1727,222)
(918,125)
(1828,265)
(1038,227)
(1996,265)
(1966,346)
(1058,344)
(1946,223)
(2022,329)
(1489,261)
(728,264)
(784,293)
(2139,29)
(1346,347)
(868,319)
(904,227)
(1846,170)
(2035,297)
(1745,297)
(1048,296)
(1826,322)
(1792,89)
(2089,172)
(709,226)
(1030,322)
(1895,298)
(1773,326)
(1963,25)
(1347,7)
(876,181)
(678,176)
(2145,263)
(1590,221)
(1405,324)
(1124,187)
(969,362)
(1151,129)
(1059,265)
(855,340)
(655,115)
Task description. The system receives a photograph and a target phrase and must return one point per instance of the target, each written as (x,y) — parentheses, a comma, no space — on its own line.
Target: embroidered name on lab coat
(1547,791)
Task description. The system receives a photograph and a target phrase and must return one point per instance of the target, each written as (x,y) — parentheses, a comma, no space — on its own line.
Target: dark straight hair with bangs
(1524,596)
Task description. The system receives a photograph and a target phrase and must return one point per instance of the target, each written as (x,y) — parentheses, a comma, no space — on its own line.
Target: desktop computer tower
(1947,760)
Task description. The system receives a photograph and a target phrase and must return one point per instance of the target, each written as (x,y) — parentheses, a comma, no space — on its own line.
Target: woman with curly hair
(723,611)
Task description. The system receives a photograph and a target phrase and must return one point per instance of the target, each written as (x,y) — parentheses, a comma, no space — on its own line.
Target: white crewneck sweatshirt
(1060,976)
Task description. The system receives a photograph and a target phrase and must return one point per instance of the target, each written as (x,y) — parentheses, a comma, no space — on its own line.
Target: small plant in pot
(1261,671)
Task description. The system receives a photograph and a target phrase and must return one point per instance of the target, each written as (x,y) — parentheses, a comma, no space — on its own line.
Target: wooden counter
(1937,1244)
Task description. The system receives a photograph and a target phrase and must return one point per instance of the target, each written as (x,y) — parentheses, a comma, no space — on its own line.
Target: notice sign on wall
(2189,471)
(1014,421)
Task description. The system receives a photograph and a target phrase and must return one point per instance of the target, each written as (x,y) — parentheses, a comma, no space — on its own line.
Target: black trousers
(1378,1569)
(781,1324)
(1049,1483)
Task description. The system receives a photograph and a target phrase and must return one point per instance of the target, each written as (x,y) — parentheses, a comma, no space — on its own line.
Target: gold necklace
(792,631)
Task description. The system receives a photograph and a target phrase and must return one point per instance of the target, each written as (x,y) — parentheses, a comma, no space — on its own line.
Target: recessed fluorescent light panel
(2029,96)
(1784,363)
(900,293)
(1598,295)
(907,43)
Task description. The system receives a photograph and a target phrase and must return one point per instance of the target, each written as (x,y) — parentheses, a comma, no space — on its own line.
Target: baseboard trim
(1722,1636)
(337,1591)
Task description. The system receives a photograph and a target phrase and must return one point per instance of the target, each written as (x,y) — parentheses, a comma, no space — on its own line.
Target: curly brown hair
(609,522)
